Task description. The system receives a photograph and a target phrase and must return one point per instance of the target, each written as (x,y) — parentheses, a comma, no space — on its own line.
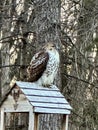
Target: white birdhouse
(32,100)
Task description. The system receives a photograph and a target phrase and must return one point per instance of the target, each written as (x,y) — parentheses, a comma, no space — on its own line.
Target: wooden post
(36,121)
(2,120)
(65,122)
(31,120)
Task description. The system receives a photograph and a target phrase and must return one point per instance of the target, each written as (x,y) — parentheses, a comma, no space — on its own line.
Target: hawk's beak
(57,47)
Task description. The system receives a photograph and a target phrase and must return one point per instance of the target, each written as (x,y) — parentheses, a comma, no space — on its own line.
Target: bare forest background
(73,24)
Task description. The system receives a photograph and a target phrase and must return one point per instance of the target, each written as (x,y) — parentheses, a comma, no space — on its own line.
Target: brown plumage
(37,66)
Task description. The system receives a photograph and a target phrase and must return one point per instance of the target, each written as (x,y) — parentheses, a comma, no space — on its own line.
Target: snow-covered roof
(45,100)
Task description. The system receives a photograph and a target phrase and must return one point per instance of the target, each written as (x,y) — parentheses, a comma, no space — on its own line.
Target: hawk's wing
(37,66)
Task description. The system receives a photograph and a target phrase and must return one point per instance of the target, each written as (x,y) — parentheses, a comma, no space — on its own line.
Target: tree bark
(47,28)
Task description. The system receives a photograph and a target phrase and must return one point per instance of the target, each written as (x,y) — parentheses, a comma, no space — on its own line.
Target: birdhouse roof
(45,100)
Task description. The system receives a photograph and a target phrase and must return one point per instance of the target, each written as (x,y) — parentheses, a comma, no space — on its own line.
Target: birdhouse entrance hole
(16,121)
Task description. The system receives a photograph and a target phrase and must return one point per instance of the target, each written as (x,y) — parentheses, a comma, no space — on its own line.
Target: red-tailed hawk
(44,66)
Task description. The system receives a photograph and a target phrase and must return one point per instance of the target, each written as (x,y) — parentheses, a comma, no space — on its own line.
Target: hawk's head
(50,47)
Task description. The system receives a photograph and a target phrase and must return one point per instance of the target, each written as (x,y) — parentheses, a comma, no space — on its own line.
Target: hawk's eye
(50,48)
(53,46)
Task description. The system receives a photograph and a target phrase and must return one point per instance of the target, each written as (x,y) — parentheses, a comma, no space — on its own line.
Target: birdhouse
(30,99)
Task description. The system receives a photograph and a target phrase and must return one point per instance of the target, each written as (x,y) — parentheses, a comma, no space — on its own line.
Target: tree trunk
(47,28)
(80,83)
(5,32)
